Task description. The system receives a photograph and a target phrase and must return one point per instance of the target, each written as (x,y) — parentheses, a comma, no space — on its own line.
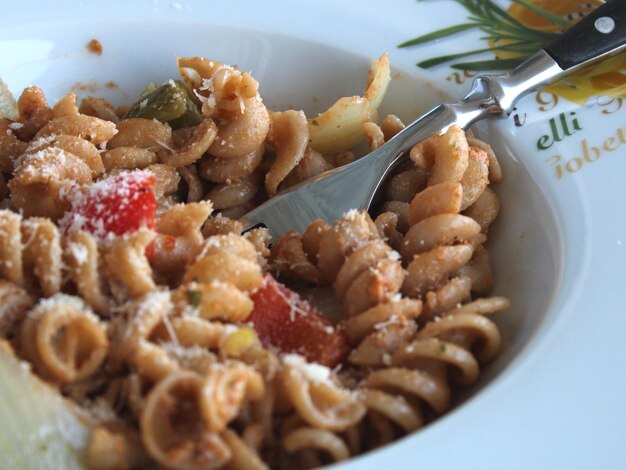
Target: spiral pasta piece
(10,146)
(99,108)
(14,304)
(232,96)
(30,252)
(351,255)
(320,403)
(312,164)
(126,259)
(227,258)
(43,181)
(148,134)
(445,156)
(289,135)
(190,144)
(83,261)
(98,131)
(178,238)
(34,112)
(63,339)
(215,300)
(316,439)
(243,457)
(223,393)
(66,106)
(228,170)
(378,332)
(140,318)
(170,371)
(77,146)
(172,429)
(113,446)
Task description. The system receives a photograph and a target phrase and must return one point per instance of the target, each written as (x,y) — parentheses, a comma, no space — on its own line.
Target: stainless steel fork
(354,186)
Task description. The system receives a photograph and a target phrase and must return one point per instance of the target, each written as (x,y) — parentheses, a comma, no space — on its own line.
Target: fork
(354,186)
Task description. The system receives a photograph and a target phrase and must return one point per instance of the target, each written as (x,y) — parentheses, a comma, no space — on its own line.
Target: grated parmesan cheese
(312,371)
(79,252)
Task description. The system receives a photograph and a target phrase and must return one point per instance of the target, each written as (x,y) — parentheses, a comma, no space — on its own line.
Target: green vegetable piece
(170,103)
(194,297)
(150,87)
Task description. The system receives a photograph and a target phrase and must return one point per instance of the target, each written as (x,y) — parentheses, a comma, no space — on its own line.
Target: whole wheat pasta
(98,131)
(225,170)
(126,259)
(289,135)
(128,158)
(14,304)
(166,179)
(141,133)
(391,125)
(406,184)
(34,112)
(445,156)
(374,135)
(312,164)
(223,392)
(111,213)
(317,439)
(320,403)
(238,193)
(190,144)
(30,252)
(77,146)
(43,181)
(485,209)
(111,446)
(99,108)
(66,106)
(243,457)
(195,191)
(10,146)
(178,238)
(232,96)
(63,339)
(182,441)
(215,300)
(227,258)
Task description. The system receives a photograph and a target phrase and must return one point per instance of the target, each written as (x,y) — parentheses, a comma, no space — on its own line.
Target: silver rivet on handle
(605,24)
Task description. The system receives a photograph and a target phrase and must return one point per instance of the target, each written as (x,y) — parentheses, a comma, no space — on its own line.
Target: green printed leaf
(437,35)
(503,32)
(485,65)
(447,58)
(555,19)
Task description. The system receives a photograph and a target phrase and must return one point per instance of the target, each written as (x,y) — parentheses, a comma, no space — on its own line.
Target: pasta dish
(129,288)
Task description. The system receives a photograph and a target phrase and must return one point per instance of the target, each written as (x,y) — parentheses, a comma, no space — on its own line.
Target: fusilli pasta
(124,290)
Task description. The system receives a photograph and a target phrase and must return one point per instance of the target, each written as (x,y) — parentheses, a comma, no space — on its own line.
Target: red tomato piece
(115,205)
(284,320)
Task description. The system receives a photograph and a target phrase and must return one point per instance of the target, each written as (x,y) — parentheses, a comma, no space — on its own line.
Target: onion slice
(340,127)
(8,106)
(39,428)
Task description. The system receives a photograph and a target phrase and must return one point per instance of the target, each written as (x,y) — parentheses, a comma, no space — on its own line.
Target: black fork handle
(601,32)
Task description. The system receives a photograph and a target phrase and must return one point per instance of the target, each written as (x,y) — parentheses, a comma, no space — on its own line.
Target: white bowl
(540,246)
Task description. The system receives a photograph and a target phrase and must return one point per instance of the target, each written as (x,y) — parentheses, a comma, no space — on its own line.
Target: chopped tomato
(115,205)
(286,321)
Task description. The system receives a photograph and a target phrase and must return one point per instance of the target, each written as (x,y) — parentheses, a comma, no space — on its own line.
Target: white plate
(554,398)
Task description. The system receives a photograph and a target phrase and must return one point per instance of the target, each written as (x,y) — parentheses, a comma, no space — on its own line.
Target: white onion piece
(378,81)
(8,107)
(39,428)
(340,127)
